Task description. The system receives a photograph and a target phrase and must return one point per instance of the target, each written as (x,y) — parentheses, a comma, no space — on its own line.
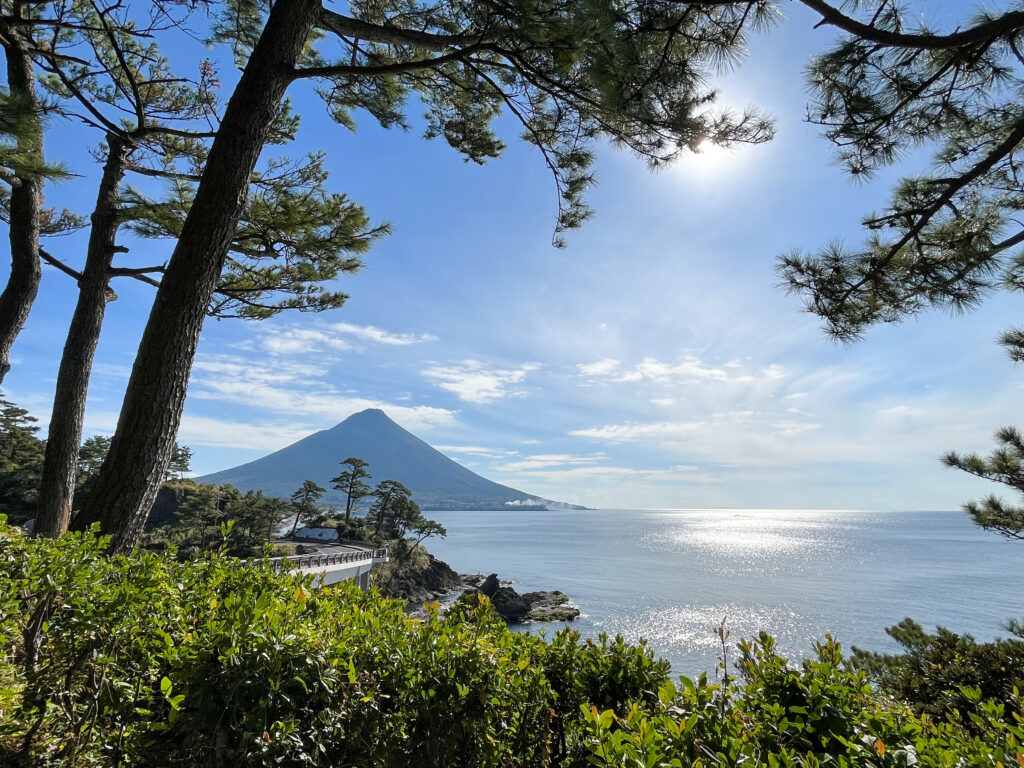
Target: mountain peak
(369,415)
(393,453)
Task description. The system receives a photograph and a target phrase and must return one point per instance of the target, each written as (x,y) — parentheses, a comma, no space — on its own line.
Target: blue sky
(653,363)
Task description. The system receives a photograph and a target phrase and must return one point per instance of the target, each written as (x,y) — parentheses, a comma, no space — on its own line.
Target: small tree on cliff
(571,73)
(388,496)
(350,481)
(304,503)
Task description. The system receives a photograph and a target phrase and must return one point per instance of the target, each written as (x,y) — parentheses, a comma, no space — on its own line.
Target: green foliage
(1004,465)
(211,517)
(390,499)
(822,713)
(294,237)
(944,674)
(351,481)
(950,235)
(181,462)
(304,503)
(567,73)
(141,660)
(21,461)
(893,85)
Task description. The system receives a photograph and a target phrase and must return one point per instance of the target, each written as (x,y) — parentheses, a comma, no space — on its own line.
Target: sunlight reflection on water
(670,576)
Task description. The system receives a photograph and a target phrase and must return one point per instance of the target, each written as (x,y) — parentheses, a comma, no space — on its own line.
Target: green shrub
(822,713)
(142,660)
(934,670)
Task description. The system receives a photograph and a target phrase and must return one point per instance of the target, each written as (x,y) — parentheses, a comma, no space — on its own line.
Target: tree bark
(60,467)
(141,448)
(26,199)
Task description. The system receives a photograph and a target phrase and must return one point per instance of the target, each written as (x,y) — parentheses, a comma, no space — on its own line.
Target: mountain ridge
(437,482)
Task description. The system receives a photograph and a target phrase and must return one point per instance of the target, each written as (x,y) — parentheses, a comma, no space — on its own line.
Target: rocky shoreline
(439,581)
(516,608)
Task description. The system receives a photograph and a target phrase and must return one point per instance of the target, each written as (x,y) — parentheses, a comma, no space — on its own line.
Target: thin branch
(998,27)
(55,262)
(398,67)
(346,26)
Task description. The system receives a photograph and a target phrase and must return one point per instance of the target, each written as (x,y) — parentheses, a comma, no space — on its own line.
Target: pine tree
(181,462)
(292,238)
(350,481)
(389,496)
(949,235)
(570,73)
(304,503)
(1004,465)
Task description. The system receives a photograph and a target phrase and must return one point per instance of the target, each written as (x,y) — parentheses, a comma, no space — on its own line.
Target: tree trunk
(142,446)
(26,199)
(60,468)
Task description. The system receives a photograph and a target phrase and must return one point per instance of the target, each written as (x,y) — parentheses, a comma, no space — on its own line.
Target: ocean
(670,576)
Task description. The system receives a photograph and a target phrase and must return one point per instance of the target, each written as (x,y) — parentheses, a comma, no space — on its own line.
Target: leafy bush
(822,713)
(933,671)
(141,660)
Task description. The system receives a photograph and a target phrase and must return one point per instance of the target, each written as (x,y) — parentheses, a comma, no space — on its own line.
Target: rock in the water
(305,549)
(532,606)
(550,606)
(510,604)
(490,585)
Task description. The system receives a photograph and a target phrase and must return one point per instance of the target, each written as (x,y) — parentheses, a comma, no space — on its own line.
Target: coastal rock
(490,585)
(434,579)
(517,608)
(550,606)
(510,604)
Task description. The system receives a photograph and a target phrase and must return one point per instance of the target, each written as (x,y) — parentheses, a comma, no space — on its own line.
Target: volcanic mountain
(393,453)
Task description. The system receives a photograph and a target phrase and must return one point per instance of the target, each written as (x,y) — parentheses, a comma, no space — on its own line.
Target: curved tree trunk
(60,468)
(26,199)
(141,448)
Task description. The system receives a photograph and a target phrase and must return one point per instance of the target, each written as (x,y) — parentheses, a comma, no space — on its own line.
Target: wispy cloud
(675,474)
(473,382)
(543,460)
(307,338)
(599,368)
(475,450)
(220,433)
(296,388)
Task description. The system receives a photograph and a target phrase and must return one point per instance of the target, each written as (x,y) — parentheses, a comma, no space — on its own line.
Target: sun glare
(708,163)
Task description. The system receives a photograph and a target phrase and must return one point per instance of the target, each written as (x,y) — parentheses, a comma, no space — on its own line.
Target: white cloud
(473,382)
(474,450)
(675,474)
(308,338)
(689,370)
(293,388)
(540,461)
(630,432)
(380,336)
(202,430)
(663,401)
(600,368)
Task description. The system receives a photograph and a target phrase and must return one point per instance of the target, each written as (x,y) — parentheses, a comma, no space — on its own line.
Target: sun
(709,162)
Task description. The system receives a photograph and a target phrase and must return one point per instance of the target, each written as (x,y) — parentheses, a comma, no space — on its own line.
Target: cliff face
(436,481)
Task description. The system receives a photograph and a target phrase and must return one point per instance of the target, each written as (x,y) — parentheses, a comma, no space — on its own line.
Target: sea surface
(671,576)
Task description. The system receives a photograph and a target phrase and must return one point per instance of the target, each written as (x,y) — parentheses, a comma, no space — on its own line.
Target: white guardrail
(325,560)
